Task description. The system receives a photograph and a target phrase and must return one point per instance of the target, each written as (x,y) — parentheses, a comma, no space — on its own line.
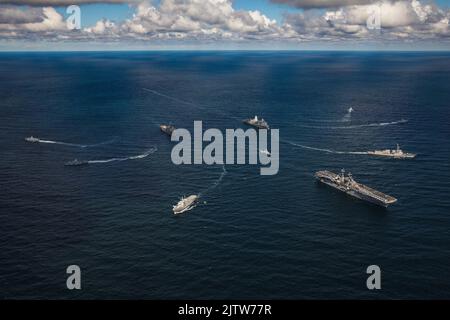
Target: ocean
(251,236)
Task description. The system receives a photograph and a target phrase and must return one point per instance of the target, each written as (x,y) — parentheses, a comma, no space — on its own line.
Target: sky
(42,25)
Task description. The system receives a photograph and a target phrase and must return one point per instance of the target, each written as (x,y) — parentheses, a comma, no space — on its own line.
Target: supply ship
(351,187)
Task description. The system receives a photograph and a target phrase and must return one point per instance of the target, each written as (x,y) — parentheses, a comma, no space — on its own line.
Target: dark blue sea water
(281,236)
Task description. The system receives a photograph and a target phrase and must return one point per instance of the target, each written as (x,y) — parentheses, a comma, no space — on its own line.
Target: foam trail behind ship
(189,103)
(216,183)
(169,97)
(141,156)
(323,150)
(380,124)
(74,144)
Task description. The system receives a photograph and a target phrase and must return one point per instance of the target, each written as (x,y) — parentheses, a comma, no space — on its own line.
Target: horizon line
(226,50)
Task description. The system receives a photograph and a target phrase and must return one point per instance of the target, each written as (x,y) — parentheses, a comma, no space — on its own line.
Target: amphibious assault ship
(185,204)
(397,153)
(167,129)
(351,187)
(257,123)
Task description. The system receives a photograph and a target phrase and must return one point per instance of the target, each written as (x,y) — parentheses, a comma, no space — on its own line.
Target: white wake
(140,156)
(205,108)
(216,183)
(37,140)
(324,150)
(380,124)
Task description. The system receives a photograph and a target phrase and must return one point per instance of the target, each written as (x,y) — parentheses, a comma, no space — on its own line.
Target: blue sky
(225,24)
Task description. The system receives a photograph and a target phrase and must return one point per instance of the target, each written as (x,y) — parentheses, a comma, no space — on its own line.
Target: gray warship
(257,123)
(396,153)
(32,139)
(76,162)
(351,187)
(167,129)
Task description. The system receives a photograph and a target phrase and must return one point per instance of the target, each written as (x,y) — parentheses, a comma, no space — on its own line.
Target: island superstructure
(395,153)
(351,187)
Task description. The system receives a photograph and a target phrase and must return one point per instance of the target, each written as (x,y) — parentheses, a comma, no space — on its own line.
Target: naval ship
(397,153)
(167,129)
(351,187)
(257,123)
(76,162)
(32,139)
(185,204)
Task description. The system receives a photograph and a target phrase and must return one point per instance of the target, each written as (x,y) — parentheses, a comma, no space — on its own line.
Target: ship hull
(405,156)
(363,197)
(76,163)
(189,205)
(257,126)
(167,129)
(357,194)
(354,194)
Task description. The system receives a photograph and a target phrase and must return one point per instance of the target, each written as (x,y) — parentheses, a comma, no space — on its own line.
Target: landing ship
(351,187)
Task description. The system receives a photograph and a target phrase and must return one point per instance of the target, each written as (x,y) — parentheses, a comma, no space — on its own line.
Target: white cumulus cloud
(218,20)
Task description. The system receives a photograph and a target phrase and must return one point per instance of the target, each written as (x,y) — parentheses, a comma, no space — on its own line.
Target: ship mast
(342,176)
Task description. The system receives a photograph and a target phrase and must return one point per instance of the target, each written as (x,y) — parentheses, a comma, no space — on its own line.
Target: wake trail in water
(189,103)
(327,120)
(215,184)
(140,156)
(346,118)
(381,124)
(324,150)
(170,97)
(37,140)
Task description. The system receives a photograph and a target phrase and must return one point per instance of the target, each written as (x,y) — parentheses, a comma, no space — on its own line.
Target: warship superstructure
(396,153)
(351,187)
(257,123)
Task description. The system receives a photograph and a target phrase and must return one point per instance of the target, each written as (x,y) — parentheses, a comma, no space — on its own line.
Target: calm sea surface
(253,236)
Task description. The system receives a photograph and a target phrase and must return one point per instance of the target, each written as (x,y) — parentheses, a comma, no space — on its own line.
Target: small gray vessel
(257,123)
(167,129)
(32,139)
(77,162)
